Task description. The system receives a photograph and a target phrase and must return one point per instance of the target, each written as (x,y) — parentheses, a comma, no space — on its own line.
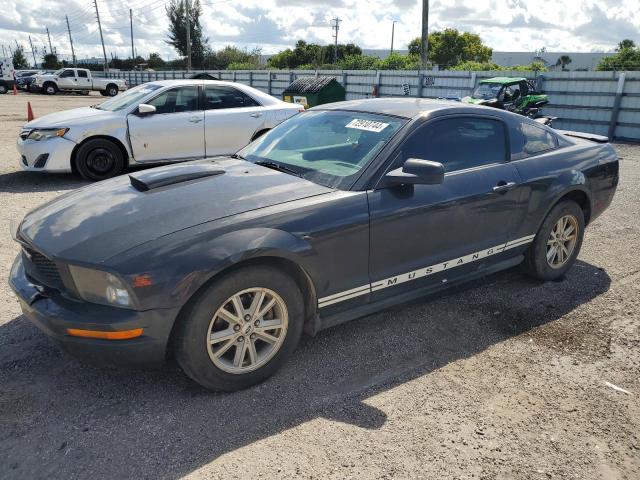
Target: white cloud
(505,25)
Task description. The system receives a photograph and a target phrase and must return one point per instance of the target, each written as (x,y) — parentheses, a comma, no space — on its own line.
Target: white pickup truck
(80,80)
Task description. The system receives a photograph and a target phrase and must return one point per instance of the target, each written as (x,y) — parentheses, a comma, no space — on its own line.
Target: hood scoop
(156,178)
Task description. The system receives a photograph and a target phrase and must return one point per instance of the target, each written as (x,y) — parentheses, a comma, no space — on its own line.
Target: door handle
(256,115)
(195,119)
(504,187)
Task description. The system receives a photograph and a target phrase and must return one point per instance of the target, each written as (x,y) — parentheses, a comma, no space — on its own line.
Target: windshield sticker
(368,125)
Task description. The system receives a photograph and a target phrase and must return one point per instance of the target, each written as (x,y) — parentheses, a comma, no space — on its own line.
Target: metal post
(420,84)
(73,53)
(35,64)
(49,37)
(104,52)
(133,53)
(269,84)
(188,35)
(424,42)
(616,107)
(393,29)
(251,79)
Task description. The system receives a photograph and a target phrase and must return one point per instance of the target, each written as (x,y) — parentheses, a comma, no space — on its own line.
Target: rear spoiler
(585,136)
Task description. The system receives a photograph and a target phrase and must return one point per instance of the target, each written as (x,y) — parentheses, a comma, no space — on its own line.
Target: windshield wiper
(277,166)
(237,156)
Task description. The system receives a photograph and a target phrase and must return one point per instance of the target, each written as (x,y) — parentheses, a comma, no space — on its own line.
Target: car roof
(503,80)
(408,107)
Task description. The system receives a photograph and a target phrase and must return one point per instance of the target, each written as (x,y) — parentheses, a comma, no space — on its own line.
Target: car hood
(69,118)
(95,223)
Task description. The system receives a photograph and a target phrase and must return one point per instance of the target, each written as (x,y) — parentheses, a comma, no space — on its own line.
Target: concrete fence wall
(606,103)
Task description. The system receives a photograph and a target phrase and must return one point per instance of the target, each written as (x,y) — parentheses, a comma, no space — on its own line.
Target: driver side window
(176,100)
(67,74)
(458,143)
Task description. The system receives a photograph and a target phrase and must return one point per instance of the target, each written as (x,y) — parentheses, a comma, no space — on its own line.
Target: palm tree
(563,61)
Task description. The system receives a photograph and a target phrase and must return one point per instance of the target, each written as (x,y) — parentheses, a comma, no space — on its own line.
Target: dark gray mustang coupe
(334,214)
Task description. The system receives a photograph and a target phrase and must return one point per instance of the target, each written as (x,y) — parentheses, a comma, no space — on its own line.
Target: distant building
(579,60)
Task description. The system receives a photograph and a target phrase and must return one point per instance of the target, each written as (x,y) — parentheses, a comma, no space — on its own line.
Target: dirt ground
(505,378)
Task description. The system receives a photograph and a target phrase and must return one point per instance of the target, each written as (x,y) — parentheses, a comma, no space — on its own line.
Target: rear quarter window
(535,139)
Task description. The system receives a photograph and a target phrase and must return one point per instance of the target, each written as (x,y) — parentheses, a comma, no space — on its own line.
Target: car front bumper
(51,155)
(55,314)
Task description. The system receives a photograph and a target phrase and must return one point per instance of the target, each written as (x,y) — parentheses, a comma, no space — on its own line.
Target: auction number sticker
(368,125)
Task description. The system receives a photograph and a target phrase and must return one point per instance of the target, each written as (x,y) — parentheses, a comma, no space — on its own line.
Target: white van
(7,75)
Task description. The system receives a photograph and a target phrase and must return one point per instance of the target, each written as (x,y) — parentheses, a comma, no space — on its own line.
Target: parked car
(25,78)
(78,80)
(7,75)
(166,121)
(516,94)
(334,214)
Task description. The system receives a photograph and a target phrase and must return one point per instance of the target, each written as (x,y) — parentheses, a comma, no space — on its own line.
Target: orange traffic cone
(30,115)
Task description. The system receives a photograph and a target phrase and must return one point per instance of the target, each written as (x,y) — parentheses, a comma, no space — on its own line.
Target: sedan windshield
(131,97)
(331,148)
(487,91)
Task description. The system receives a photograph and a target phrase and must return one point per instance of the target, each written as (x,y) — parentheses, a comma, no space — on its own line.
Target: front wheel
(3,89)
(112,90)
(50,89)
(557,244)
(241,329)
(99,159)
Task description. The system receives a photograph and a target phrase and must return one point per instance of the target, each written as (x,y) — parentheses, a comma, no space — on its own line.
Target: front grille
(41,268)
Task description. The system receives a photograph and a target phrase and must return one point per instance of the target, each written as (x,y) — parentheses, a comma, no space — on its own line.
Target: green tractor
(515,94)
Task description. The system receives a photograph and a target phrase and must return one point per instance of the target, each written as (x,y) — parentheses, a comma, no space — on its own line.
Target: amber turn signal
(120,335)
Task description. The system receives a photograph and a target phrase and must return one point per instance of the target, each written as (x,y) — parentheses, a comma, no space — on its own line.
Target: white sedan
(157,122)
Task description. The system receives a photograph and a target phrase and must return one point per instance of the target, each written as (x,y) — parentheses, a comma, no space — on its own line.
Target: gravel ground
(502,379)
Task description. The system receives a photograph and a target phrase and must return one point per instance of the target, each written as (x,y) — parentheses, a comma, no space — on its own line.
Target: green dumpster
(312,91)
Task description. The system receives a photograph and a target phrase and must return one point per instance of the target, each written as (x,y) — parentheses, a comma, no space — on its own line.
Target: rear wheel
(99,159)
(241,329)
(3,89)
(557,244)
(112,90)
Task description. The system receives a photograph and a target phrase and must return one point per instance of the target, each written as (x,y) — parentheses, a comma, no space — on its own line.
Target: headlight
(45,133)
(100,287)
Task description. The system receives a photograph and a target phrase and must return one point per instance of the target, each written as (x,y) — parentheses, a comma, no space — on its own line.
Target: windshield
(130,97)
(58,72)
(487,91)
(326,147)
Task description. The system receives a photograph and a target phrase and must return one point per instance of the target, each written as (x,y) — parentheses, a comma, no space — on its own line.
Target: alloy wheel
(562,241)
(247,330)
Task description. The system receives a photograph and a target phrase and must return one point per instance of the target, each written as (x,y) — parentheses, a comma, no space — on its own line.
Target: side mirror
(144,109)
(417,172)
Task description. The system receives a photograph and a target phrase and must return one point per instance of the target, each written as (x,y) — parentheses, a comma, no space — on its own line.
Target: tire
(536,263)
(3,89)
(49,88)
(203,361)
(99,159)
(112,90)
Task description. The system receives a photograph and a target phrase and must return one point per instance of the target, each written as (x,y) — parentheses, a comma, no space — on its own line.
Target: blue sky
(504,25)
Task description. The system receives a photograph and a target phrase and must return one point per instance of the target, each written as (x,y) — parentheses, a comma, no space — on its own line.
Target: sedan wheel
(239,330)
(557,243)
(99,159)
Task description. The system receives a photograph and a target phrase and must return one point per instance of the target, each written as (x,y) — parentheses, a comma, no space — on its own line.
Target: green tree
(449,47)
(176,13)
(51,62)
(19,60)
(155,61)
(358,62)
(563,61)
(627,58)
(396,61)
(626,43)
(471,66)
(312,55)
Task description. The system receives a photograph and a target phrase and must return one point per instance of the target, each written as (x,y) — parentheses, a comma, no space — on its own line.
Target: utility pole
(186,3)
(49,37)
(424,42)
(335,25)
(104,52)
(35,64)
(73,54)
(133,56)
(393,28)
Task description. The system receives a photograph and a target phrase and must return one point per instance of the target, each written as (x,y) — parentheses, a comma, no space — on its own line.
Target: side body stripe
(421,272)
